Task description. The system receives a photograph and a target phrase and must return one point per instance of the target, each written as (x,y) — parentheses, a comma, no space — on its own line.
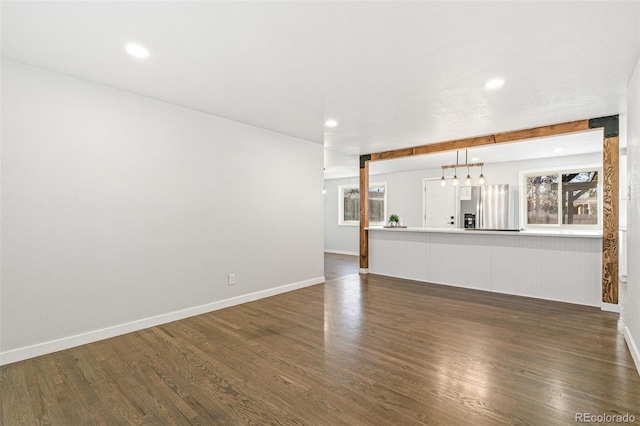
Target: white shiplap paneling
(463,260)
(555,268)
(404,255)
(561,268)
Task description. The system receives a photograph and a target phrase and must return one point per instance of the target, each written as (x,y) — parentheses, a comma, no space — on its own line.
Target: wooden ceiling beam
(544,131)
(514,136)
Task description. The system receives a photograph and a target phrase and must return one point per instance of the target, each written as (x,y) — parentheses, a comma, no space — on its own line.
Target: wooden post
(364,213)
(610,219)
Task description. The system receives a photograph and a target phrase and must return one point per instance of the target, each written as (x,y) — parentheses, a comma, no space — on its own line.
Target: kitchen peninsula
(556,265)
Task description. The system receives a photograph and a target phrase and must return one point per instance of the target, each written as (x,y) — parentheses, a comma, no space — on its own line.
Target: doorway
(340,265)
(438,204)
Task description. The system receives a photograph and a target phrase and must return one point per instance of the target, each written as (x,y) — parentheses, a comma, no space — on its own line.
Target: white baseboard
(363,270)
(118,330)
(610,307)
(349,253)
(633,348)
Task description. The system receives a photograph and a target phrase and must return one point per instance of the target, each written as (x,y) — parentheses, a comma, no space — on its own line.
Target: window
(564,198)
(349,204)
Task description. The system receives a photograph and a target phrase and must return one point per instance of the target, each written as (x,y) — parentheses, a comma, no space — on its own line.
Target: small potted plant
(393,220)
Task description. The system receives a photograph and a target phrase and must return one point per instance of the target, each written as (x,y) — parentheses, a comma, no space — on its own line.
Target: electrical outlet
(231,279)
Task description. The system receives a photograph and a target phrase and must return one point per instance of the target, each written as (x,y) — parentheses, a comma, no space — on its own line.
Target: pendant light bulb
(481,178)
(468,180)
(443,182)
(456,181)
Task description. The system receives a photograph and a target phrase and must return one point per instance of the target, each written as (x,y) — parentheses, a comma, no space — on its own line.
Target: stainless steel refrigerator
(484,207)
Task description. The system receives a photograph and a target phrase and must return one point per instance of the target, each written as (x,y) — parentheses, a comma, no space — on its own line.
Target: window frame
(342,188)
(524,174)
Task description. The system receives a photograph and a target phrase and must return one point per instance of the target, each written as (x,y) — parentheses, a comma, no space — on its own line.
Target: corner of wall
(632,329)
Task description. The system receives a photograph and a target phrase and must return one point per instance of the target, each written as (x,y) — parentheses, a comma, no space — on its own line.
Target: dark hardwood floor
(340,265)
(360,350)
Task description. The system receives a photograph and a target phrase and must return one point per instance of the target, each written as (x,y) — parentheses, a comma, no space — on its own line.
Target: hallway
(339,265)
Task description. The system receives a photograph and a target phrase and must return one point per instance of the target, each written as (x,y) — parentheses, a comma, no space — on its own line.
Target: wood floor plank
(340,265)
(14,410)
(357,350)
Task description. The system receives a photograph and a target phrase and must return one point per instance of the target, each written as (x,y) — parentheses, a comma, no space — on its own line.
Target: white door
(439,204)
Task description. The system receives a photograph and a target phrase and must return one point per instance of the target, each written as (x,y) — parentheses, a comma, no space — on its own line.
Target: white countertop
(570,233)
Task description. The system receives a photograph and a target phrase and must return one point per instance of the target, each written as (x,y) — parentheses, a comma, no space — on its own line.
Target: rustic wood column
(610,201)
(610,195)
(364,212)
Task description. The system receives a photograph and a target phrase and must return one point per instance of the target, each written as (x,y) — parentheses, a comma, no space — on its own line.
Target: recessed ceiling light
(494,84)
(558,150)
(475,159)
(331,123)
(136,50)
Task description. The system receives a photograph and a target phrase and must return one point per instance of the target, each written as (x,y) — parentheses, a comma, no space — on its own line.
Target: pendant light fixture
(456,181)
(466,160)
(468,180)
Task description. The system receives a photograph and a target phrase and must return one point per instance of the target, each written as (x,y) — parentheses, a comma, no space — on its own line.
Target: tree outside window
(580,198)
(563,198)
(542,199)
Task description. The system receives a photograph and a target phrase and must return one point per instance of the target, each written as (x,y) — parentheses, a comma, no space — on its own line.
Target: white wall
(120,212)
(338,238)
(632,331)
(404,195)
(624,185)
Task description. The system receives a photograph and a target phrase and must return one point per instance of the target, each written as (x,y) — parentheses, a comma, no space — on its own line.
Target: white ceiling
(393,74)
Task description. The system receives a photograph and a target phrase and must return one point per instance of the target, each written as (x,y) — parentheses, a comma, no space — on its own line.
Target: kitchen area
(500,236)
